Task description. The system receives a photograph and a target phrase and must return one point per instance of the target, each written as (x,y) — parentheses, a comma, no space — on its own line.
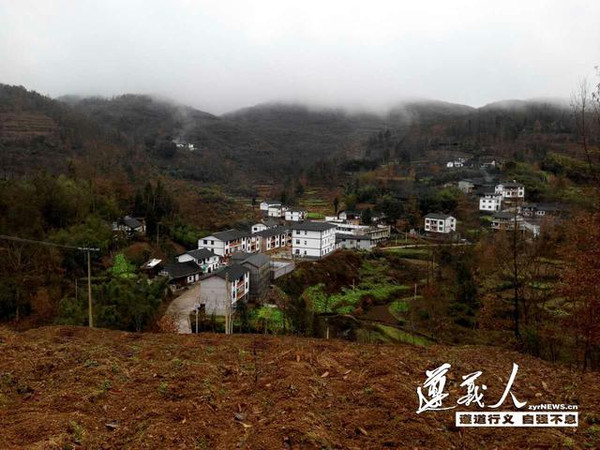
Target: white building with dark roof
(227,242)
(511,190)
(440,223)
(295,214)
(273,238)
(206,259)
(354,241)
(181,274)
(229,285)
(313,239)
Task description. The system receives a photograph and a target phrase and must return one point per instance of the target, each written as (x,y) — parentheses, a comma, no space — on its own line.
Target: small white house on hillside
(511,190)
(204,258)
(295,215)
(440,223)
(490,201)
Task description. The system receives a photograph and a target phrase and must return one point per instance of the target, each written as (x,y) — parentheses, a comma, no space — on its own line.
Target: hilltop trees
(581,287)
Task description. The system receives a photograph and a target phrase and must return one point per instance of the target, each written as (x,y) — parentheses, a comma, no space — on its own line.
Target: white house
(359,242)
(227,242)
(204,258)
(295,215)
(313,239)
(349,215)
(181,274)
(511,190)
(458,162)
(258,227)
(440,223)
(130,225)
(273,238)
(276,210)
(264,205)
(229,284)
(505,220)
(540,209)
(490,201)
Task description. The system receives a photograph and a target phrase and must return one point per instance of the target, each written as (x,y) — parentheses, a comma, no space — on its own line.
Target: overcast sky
(221,55)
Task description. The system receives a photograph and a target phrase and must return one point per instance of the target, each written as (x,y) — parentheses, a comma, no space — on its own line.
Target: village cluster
(240,265)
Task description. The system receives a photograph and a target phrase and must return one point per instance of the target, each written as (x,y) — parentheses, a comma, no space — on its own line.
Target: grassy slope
(61,386)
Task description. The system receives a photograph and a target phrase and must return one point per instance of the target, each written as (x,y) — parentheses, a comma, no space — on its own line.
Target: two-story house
(273,238)
(440,223)
(225,243)
(231,284)
(313,239)
(295,215)
(259,266)
(490,201)
(506,220)
(511,190)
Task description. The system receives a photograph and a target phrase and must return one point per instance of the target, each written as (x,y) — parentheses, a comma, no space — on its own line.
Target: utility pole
(516,278)
(227,305)
(86,250)
(89,268)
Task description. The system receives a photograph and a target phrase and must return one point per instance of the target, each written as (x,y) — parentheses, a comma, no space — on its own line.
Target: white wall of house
(490,202)
(276,211)
(258,227)
(227,248)
(314,244)
(295,216)
(273,242)
(510,191)
(208,264)
(213,293)
(466,186)
(356,243)
(440,225)
(217,246)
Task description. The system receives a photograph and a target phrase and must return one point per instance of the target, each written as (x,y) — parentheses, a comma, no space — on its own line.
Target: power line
(87,251)
(50,244)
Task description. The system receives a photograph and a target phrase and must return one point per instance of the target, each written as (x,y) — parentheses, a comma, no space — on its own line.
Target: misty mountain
(259,142)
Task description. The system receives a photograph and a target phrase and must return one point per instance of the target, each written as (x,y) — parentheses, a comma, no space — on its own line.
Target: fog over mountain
(222,56)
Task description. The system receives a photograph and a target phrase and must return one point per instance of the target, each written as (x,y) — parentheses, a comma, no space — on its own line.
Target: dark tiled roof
(486,190)
(510,184)
(257,260)
(234,272)
(270,223)
(548,207)
(131,222)
(182,270)
(313,226)
(240,256)
(505,215)
(341,236)
(200,253)
(231,235)
(437,216)
(272,231)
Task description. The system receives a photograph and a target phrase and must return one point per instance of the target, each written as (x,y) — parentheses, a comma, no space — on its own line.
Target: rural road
(453,244)
(181,307)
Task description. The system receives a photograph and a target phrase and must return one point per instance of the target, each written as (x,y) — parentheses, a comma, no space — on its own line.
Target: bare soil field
(70,387)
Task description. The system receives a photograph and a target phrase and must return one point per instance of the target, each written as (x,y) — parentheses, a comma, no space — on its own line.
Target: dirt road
(182,306)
